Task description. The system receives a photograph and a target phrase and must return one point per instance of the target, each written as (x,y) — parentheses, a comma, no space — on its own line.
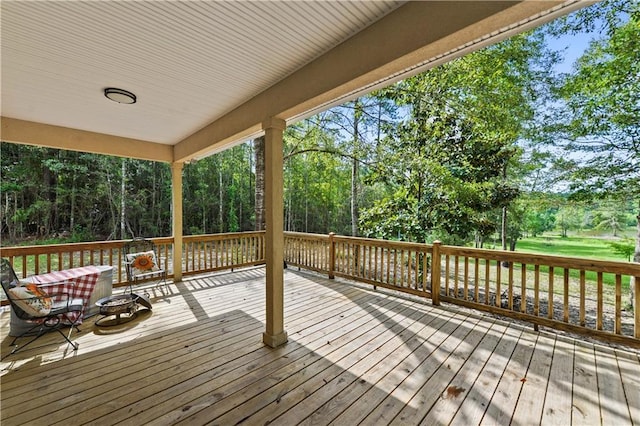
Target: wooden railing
(41,259)
(571,294)
(577,295)
(216,252)
(390,264)
(201,253)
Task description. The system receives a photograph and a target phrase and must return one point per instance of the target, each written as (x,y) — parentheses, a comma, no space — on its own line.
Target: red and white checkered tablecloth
(85,278)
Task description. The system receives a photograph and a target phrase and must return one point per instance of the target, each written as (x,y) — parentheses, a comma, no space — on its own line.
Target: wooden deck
(354,356)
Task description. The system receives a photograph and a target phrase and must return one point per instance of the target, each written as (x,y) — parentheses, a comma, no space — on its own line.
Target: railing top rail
(67,247)
(307,236)
(224,236)
(386,243)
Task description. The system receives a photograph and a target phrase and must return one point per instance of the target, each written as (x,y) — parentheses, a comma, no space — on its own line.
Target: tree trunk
(504,228)
(261,219)
(504,212)
(220,202)
(10,225)
(357,112)
(72,208)
(122,199)
(113,214)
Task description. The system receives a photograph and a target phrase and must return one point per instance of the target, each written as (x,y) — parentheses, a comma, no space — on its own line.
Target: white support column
(176,217)
(274,334)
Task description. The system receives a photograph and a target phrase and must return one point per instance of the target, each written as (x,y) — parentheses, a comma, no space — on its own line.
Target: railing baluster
(402,280)
(550,294)
(523,287)
(466,278)
(536,291)
(456,277)
(599,314)
(498,284)
(476,280)
(487,288)
(618,314)
(510,289)
(565,314)
(375,264)
(446,275)
(395,267)
(582,297)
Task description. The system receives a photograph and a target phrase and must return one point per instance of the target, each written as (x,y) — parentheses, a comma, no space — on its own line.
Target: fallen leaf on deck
(453,391)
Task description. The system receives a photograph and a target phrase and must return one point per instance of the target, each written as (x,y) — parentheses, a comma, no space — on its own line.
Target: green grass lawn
(591,248)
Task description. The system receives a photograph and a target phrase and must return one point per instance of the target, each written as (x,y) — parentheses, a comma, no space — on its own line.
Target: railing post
(332,255)
(435,273)
(636,307)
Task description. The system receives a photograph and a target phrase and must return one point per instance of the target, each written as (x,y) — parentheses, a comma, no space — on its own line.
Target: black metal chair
(142,262)
(47,312)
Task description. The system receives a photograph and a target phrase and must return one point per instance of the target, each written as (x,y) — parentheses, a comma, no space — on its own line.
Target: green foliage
(446,165)
(624,248)
(437,156)
(537,222)
(603,117)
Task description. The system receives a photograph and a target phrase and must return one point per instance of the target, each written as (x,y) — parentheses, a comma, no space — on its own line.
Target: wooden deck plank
(373,393)
(196,374)
(586,399)
(354,356)
(375,352)
(505,395)
(301,355)
(531,399)
(138,355)
(253,308)
(558,399)
(318,324)
(341,360)
(178,308)
(478,397)
(351,402)
(274,395)
(444,360)
(613,402)
(302,390)
(629,365)
(439,401)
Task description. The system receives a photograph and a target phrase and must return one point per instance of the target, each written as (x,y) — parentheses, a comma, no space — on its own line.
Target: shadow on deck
(354,356)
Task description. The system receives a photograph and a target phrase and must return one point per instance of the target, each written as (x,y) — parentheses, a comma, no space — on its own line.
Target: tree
(568,219)
(451,155)
(603,112)
(611,219)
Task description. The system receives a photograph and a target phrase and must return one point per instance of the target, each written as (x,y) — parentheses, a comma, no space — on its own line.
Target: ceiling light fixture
(119,95)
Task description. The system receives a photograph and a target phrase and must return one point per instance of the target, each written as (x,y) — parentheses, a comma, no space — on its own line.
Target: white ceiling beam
(413,34)
(46,135)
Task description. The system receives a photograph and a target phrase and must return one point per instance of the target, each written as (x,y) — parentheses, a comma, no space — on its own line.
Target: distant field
(592,248)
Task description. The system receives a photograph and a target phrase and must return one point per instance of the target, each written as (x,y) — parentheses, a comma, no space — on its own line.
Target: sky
(573,45)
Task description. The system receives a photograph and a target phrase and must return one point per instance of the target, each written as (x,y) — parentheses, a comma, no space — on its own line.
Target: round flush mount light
(120,95)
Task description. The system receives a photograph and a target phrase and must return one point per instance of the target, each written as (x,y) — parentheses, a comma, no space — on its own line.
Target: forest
(498,144)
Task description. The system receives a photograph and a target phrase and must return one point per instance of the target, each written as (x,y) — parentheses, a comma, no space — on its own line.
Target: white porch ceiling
(199,68)
(188,62)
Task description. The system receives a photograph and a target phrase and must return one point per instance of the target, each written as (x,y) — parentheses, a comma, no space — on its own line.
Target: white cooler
(103,288)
